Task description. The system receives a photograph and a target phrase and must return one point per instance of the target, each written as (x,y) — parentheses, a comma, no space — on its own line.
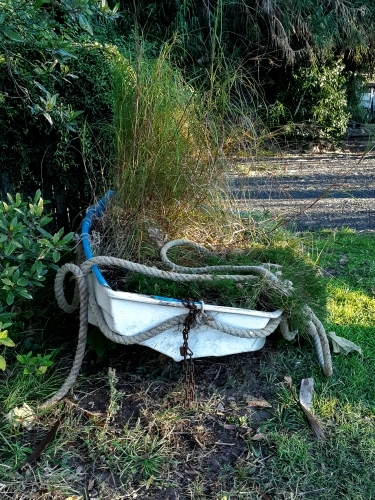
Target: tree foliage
(55,97)
(284,30)
(269,41)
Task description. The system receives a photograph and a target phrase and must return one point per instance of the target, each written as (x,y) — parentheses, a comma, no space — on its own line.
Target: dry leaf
(41,446)
(341,345)
(157,236)
(220,407)
(306,392)
(149,482)
(314,424)
(288,381)
(23,415)
(229,426)
(258,437)
(91,485)
(258,402)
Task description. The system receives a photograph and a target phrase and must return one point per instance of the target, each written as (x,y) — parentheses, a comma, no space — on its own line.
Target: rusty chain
(187,353)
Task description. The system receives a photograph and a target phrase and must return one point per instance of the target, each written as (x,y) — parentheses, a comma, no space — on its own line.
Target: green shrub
(56,102)
(311,101)
(27,252)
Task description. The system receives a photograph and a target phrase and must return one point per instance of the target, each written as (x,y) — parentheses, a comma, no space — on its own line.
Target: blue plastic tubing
(93,212)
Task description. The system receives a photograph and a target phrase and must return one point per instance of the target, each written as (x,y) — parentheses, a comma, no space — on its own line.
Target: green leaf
(2,18)
(43,89)
(24,293)
(9,249)
(22,282)
(3,334)
(38,266)
(47,116)
(45,220)
(45,234)
(56,256)
(6,281)
(23,358)
(12,34)
(3,363)
(7,342)
(19,211)
(16,276)
(83,22)
(39,3)
(66,54)
(38,193)
(10,298)
(68,237)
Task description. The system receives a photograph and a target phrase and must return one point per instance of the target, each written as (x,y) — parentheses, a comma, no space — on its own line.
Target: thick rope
(82,336)
(154,272)
(241,332)
(84,297)
(285,287)
(326,361)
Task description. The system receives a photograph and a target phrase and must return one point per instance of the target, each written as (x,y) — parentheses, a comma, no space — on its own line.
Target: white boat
(132,313)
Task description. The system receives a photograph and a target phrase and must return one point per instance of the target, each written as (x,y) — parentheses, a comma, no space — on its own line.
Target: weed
(35,364)
(165,167)
(99,343)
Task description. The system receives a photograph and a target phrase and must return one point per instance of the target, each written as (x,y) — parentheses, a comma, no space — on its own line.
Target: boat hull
(131,313)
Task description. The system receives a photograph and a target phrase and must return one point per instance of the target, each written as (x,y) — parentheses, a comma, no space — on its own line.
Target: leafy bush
(311,100)
(56,99)
(27,251)
(323,95)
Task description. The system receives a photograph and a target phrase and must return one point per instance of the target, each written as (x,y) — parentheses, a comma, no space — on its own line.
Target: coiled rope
(84,297)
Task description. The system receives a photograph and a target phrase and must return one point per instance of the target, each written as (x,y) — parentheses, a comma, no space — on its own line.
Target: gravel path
(314,190)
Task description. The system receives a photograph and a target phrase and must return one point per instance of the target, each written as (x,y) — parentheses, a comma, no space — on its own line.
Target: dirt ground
(318,189)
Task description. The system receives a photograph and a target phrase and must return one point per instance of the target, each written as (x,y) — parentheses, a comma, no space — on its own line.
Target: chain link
(187,353)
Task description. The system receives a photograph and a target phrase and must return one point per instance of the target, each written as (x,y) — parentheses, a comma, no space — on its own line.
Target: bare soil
(314,190)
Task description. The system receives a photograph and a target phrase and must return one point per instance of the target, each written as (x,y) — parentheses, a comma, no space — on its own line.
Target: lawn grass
(343,466)
(127,435)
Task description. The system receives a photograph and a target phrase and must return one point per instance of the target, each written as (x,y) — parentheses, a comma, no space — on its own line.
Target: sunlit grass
(341,466)
(350,307)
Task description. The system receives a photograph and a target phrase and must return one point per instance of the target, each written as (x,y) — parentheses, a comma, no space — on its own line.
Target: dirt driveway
(312,190)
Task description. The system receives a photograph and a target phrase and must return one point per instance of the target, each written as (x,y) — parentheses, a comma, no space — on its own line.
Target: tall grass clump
(167,170)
